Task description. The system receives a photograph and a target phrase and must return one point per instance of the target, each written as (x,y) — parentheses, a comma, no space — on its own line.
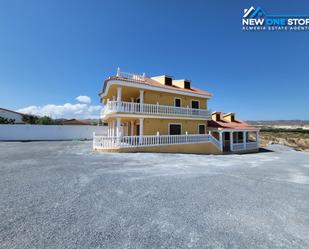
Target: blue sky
(52,51)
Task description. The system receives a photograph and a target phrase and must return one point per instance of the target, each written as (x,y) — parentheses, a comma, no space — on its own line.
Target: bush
(7,120)
(30,119)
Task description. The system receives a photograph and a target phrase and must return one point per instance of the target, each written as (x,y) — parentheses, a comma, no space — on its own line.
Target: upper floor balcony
(155,109)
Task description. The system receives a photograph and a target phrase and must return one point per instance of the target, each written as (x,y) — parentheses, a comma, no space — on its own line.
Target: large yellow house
(162,114)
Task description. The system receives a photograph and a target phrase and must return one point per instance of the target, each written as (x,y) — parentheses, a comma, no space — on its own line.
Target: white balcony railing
(136,77)
(132,107)
(105,142)
(244,146)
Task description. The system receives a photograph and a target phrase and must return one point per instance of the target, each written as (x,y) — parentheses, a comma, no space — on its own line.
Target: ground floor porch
(126,135)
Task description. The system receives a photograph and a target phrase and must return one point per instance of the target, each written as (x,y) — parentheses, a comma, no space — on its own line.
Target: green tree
(7,120)
(30,119)
(47,121)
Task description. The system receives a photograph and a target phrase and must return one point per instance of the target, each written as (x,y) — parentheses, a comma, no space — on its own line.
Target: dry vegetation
(294,139)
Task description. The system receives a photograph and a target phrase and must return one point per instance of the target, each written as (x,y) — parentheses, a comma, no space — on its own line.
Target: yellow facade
(152,126)
(154,97)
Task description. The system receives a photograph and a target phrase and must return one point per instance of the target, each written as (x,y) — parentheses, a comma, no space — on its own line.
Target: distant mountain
(281,124)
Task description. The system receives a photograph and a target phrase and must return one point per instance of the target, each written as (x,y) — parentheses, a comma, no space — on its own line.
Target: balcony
(137,108)
(120,142)
(114,142)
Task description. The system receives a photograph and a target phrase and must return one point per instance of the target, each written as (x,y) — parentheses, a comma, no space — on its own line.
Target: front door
(175,129)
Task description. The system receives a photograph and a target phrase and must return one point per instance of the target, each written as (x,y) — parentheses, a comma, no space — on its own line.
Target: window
(175,129)
(177,102)
(195,104)
(201,129)
(187,84)
(168,81)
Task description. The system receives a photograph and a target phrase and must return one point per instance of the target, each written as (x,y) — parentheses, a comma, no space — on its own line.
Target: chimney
(185,84)
(229,117)
(216,116)
(164,80)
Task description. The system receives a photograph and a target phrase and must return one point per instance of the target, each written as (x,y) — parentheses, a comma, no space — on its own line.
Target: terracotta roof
(152,82)
(76,122)
(234,125)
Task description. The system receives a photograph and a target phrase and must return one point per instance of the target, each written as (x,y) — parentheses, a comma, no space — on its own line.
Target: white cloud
(83,99)
(67,110)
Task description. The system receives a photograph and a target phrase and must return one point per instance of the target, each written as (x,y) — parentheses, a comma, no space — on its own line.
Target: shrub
(7,120)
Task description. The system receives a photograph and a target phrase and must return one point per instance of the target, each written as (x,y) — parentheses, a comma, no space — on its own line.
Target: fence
(48,132)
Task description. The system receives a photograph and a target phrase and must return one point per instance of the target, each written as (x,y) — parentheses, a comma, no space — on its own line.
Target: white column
(231,140)
(244,136)
(113,128)
(258,139)
(141,99)
(118,127)
(141,129)
(132,127)
(127,129)
(220,139)
(119,91)
(108,129)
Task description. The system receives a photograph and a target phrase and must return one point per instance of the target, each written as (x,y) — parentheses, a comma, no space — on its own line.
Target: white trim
(229,130)
(151,116)
(147,87)
(174,124)
(175,101)
(198,127)
(199,104)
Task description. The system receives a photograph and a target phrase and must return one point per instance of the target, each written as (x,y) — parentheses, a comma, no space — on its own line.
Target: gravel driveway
(63,195)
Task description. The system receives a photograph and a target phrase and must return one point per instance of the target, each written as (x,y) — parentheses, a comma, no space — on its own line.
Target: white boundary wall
(49,132)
